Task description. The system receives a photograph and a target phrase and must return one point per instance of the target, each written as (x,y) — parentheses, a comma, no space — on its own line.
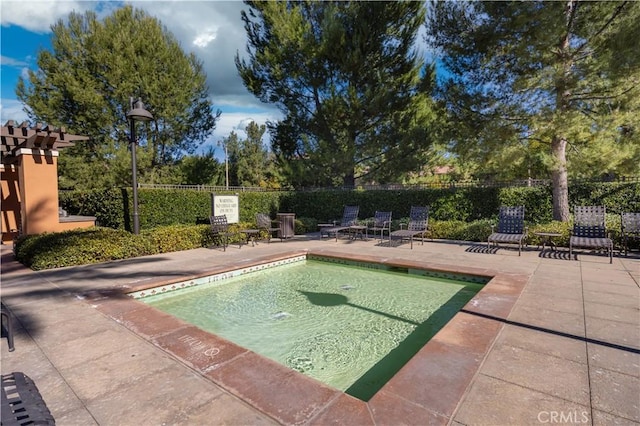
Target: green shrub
(478,230)
(179,237)
(94,245)
(305,225)
(79,247)
(106,205)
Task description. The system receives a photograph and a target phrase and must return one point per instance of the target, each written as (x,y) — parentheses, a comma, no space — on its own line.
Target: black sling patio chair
(589,230)
(265,223)
(349,219)
(418,225)
(220,231)
(511,229)
(630,227)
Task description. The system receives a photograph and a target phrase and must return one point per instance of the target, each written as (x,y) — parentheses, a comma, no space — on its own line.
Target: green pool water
(350,327)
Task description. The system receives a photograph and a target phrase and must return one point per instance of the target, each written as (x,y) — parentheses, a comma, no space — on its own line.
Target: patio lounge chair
(382,223)
(220,230)
(511,227)
(265,223)
(418,225)
(630,224)
(349,219)
(589,230)
(22,403)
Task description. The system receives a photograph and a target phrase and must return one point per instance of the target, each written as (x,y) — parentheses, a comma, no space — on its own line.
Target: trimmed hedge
(158,207)
(99,244)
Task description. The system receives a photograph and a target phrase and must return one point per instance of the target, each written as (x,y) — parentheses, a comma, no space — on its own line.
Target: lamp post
(137,113)
(226,163)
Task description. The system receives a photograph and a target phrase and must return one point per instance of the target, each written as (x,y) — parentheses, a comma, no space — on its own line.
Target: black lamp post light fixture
(137,113)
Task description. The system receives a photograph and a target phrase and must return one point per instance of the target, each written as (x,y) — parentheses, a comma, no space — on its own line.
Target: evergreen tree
(85,84)
(252,157)
(201,169)
(542,85)
(348,81)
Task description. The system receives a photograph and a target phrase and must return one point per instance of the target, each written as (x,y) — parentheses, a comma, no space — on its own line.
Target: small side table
(547,239)
(361,230)
(251,235)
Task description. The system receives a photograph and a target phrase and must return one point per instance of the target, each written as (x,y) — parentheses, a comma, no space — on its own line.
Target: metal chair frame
(630,228)
(418,225)
(589,230)
(265,223)
(382,223)
(220,228)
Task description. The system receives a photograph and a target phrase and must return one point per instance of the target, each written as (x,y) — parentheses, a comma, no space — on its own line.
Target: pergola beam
(41,136)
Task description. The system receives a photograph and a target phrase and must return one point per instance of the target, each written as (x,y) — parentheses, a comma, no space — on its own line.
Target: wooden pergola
(29,183)
(40,137)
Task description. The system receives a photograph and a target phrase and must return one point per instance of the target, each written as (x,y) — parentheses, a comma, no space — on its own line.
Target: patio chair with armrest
(220,230)
(589,230)
(418,225)
(630,227)
(511,229)
(381,223)
(349,219)
(265,223)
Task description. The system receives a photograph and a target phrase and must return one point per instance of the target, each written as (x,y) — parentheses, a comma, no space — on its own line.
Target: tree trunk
(349,179)
(559,179)
(559,142)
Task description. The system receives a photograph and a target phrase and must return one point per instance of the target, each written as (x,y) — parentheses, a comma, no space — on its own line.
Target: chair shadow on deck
(481,248)
(555,254)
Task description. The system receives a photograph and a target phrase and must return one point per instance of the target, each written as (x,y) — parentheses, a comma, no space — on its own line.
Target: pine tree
(555,81)
(85,84)
(348,81)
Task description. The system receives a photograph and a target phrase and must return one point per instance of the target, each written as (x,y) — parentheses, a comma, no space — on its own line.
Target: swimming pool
(351,325)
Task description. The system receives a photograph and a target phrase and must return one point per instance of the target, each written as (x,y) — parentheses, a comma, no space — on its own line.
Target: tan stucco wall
(33,186)
(39,192)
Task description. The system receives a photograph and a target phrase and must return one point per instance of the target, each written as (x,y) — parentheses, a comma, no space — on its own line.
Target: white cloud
(203,39)
(38,16)
(12,109)
(5,60)
(242,125)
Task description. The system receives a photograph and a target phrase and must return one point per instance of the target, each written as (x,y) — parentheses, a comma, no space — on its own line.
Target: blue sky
(212,30)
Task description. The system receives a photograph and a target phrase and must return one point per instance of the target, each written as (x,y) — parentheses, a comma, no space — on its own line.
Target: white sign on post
(227,205)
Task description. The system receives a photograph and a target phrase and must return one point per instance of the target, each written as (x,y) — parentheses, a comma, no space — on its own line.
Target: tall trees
(252,158)
(563,77)
(201,169)
(249,162)
(85,84)
(348,81)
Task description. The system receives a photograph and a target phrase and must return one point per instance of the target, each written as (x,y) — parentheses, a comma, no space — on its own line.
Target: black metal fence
(393,186)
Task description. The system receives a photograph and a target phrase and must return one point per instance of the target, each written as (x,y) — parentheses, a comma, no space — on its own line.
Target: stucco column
(38,184)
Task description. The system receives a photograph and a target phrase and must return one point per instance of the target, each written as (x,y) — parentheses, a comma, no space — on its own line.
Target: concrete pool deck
(567,349)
